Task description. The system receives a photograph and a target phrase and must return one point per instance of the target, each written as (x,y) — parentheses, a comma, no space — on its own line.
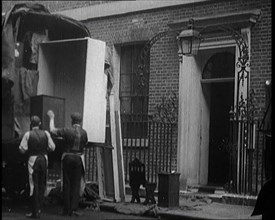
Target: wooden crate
(168,189)
(41,104)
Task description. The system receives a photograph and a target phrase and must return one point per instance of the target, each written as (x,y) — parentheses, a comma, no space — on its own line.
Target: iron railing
(155,144)
(90,164)
(152,142)
(246,150)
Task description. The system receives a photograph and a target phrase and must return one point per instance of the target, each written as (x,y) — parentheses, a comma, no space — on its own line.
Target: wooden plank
(100,173)
(114,152)
(120,156)
(119,186)
(107,158)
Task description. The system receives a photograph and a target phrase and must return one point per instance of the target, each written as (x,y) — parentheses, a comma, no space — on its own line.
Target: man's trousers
(39,182)
(72,173)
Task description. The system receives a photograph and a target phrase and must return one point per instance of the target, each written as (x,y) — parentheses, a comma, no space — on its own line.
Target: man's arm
(57,132)
(50,113)
(23,147)
(51,144)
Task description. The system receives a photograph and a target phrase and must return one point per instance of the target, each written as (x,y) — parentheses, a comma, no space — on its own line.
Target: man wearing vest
(73,164)
(36,143)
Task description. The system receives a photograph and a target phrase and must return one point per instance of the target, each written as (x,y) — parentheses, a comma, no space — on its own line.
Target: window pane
(126,61)
(125,105)
(220,65)
(125,84)
(133,86)
(136,54)
(139,105)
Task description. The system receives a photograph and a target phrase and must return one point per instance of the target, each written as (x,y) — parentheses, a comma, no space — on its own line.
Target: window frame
(135,95)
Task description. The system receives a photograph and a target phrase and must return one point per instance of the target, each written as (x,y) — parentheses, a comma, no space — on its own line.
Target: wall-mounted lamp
(188,41)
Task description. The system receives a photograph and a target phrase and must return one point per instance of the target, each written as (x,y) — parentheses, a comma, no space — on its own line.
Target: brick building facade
(137,22)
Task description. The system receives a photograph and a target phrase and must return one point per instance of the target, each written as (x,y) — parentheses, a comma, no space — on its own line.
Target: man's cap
(76,117)
(35,120)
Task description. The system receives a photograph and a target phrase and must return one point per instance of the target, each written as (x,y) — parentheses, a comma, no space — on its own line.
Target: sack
(91,192)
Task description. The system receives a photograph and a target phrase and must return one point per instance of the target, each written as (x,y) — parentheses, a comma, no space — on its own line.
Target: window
(220,67)
(133,86)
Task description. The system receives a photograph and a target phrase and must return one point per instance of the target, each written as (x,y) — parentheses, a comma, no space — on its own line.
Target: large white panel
(94,110)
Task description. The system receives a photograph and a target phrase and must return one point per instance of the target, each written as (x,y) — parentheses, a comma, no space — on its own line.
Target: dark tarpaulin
(30,17)
(7,57)
(17,22)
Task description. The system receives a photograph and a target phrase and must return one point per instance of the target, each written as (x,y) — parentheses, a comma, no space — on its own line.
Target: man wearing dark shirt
(73,165)
(36,143)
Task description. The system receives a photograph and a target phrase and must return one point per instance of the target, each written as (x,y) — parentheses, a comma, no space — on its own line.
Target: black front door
(221,101)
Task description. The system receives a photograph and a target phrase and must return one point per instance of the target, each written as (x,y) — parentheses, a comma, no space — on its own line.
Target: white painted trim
(218,80)
(120,7)
(116,74)
(217,44)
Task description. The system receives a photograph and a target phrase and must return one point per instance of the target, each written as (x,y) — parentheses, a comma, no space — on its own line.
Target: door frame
(211,48)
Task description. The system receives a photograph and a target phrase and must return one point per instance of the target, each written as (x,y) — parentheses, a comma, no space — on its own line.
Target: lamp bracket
(150,43)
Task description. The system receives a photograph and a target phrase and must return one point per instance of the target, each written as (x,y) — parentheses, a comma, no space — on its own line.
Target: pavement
(192,205)
(53,212)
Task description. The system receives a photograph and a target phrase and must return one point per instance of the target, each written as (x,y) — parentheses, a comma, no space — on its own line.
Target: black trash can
(168,189)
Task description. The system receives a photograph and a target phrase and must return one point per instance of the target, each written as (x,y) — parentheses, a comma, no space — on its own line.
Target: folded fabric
(28,81)
(37,38)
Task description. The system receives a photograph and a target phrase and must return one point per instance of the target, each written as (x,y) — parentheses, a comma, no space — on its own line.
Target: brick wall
(261,50)
(141,26)
(164,62)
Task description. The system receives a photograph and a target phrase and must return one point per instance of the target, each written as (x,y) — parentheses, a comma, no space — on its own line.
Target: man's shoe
(32,215)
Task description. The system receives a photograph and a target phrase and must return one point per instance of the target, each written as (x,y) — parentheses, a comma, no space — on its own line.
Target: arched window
(219,66)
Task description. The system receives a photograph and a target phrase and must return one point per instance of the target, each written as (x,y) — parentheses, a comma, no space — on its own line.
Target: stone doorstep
(218,195)
(225,198)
